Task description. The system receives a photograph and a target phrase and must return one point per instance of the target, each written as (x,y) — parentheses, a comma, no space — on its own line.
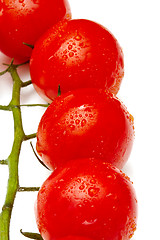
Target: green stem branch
(4,162)
(25,84)
(6,108)
(13,159)
(28,189)
(28,137)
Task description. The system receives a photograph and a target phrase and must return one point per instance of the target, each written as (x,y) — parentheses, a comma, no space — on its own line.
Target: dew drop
(90,222)
(71,54)
(81,187)
(61,180)
(83,123)
(1,11)
(78,37)
(78,180)
(77,121)
(114,208)
(111,177)
(72,127)
(93,181)
(80,205)
(70,47)
(92,191)
(64,57)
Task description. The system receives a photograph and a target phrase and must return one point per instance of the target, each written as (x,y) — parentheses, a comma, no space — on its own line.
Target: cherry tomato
(85,123)
(88,198)
(76,54)
(25,20)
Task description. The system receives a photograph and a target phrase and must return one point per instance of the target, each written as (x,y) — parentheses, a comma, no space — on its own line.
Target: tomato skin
(25,21)
(88,198)
(85,123)
(76,54)
(74,238)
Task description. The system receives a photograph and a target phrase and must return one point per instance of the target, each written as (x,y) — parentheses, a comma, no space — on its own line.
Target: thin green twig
(28,137)
(34,105)
(27,83)
(4,162)
(5,108)
(28,189)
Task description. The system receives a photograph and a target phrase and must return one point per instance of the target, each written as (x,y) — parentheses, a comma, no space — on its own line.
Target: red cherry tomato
(76,54)
(85,123)
(88,198)
(25,21)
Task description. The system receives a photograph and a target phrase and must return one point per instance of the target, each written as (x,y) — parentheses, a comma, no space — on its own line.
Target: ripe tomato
(88,198)
(25,20)
(85,123)
(76,54)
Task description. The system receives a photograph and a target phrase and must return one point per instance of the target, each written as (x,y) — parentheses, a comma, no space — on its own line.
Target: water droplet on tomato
(114,208)
(78,180)
(89,222)
(70,47)
(112,177)
(72,127)
(93,181)
(77,121)
(64,57)
(78,37)
(81,187)
(61,180)
(83,123)
(80,205)
(71,54)
(92,191)
(1,11)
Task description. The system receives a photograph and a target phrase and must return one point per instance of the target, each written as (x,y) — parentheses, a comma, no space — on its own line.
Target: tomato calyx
(31,235)
(29,45)
(39,160)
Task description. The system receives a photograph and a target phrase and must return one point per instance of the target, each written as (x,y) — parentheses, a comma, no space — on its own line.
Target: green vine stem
(13,160)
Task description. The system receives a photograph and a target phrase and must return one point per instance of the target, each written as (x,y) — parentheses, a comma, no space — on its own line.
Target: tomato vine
(13,159)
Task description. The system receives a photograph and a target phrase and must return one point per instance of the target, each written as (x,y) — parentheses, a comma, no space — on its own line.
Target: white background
(136,25)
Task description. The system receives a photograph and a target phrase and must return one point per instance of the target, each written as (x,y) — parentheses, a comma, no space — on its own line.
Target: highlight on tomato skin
(76,54)
(85,123)
(24,21)
(87,198)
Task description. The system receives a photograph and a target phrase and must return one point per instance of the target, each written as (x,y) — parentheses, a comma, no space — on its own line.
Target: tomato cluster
(85,136)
